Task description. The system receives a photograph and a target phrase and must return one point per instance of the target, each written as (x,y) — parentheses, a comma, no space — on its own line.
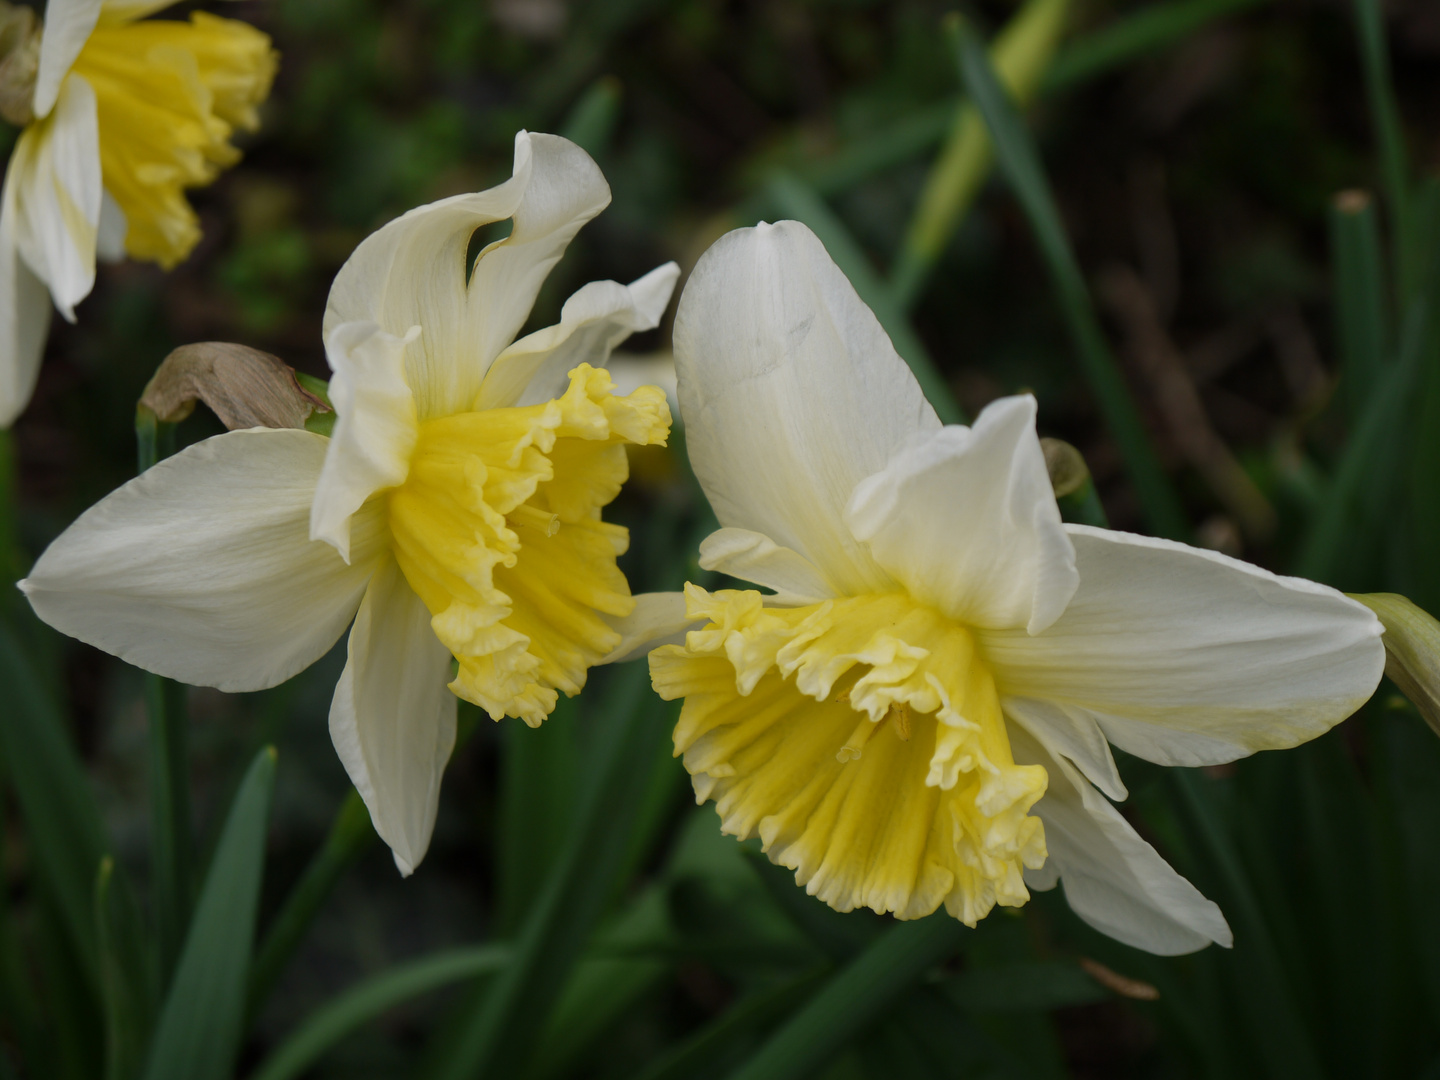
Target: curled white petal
(53,195)
(659,619)
(966,520)
(202,568)
(375,426)
(1113,879)
(393,717)
(68,25)
(593,321)
(412,272)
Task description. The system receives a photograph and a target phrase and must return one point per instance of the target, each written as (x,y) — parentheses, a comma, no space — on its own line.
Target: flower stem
(172,842)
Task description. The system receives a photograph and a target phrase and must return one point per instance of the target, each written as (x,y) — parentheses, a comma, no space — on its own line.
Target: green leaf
(127,983)
(1361,316)
(1152,28)
(793,198)
(498,1034)
(592,119)
(361,1003)
(1264,991)
(1021,164)
(854,997)
(198,1035)
(1036,986)
(1394,164)
(350,835)
(66,841)
(699,1054)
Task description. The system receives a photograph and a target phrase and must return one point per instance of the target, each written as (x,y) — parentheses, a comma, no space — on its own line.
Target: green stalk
(1021,164)
(1394,166)
(853,998)
(171,839)
(1019,54)
(1361,320)
(350,836)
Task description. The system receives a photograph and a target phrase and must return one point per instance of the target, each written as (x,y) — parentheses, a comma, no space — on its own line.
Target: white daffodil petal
(658,619)
(1187,657)
(393,717)
(375,426)
(54,195)
(202,568)
(24,324)
(412,272)
(752,557)
(1072,734)
(68,24)
(791,394)
(593,321)
(966,520)
(1113,879)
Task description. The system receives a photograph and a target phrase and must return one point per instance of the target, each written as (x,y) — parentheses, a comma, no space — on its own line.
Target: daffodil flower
(920,713)
(120,116)
(454,516)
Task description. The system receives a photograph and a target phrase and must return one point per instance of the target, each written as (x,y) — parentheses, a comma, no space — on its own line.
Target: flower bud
(1412,651)
(244,387)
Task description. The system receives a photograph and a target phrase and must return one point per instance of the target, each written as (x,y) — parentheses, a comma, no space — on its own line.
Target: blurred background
(1218,168)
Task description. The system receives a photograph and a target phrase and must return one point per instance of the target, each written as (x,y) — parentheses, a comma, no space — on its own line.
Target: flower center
(497,528)
(862,740)
(168,95)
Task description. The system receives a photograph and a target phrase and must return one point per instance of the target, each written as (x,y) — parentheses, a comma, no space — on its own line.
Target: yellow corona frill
(918,711)
(121,114)
(451,519)
(497,529)
(862,740)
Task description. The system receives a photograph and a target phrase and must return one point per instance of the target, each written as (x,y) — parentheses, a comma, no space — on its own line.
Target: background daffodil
(922,713)
(454,515)
(123,116)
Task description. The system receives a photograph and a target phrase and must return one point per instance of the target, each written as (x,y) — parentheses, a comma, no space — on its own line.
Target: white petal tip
(400,864)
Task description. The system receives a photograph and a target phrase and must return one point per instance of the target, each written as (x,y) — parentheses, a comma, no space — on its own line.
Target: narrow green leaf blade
(1394,161)
(60,817)
(1020,162)
(854,997)
(1361,318)
(201,1022)
(350,834)
(366,1000)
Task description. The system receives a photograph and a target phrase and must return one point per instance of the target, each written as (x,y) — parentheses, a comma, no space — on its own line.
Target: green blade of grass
(697,1055)
(126,987)
(854,997)
(498,1037)
(1394,163)
(1019,54)
(1020,162)
(1152,28)
(1361,321)
(198,1035)
(1370,463)
(366,1000)
(1265,993)
(793,198)
(66,840)
(592,119)
(350,835)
